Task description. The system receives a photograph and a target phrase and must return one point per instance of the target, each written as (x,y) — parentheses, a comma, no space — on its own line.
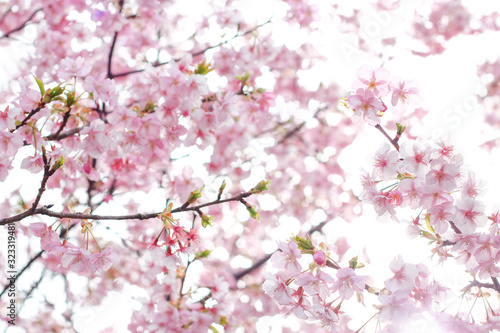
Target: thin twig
(110,55)
(64,135)
(299,126)
(28,117)
(63,124)
(47,212)
(393,142)
(7,35)
(265,258)
(195,53)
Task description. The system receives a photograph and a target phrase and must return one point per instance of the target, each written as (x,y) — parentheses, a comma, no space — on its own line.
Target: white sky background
(448,86)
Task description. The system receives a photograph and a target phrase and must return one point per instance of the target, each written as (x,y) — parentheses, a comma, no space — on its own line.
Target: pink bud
(319,257)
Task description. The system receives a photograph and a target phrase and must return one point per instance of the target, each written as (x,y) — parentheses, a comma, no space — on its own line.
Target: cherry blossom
(347,283)
(404,275)
(131,133)
(287,257)
(469,215)
(375,80)
(366,106)
(403,92)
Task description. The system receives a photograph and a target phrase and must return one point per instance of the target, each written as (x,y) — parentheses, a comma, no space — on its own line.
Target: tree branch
(63,124)
(28,117)
(64,135)
(110,55)
(265,258)
(7,35)
(297,128)
(394,141)
(196,53)
(47,212)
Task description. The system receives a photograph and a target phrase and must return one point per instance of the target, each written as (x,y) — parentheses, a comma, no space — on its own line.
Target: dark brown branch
(46,174)
(265,258)
(256,265)
(63,124)
(394,141)
(454,227)
(495,286)
(195,53)
(64,135)
(299,126)
(28,117)
(47,212)
(7,35)
(110,55)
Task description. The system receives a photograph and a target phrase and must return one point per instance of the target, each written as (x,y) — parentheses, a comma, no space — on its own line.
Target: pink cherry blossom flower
(70,68)
(403,92)
(384,203)
(366,105)
(472,187)
(277,288)
(375,80)
(299,308)
(415,158)
(7,118)
(440,215)
(9,143)
(325,314)
(385,163)
(444,174)
(486,270)
(287,257)
(469,215)
(315,284)
(404,275)
(396,306)
(102,89)
(103,260)
(30,100)
(432,195)
(33,164)
(411,195)
(49,238)
(78,260)
(347,283)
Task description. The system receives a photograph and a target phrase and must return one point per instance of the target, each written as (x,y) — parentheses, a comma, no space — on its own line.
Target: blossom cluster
(442,198)
(311,285)
(374,85)
(77,259)
(114,102)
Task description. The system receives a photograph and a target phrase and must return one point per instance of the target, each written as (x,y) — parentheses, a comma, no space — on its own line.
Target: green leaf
(221,188)
(203,68)
(401,128)
(195,195)
(305,244)
(40,85)
(59,163)
(253,213)
(206,220)
(353,263)
(203,254)
(260,187)
(428,222)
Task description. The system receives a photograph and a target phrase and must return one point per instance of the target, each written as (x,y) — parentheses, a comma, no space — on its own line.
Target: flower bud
(319,257)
